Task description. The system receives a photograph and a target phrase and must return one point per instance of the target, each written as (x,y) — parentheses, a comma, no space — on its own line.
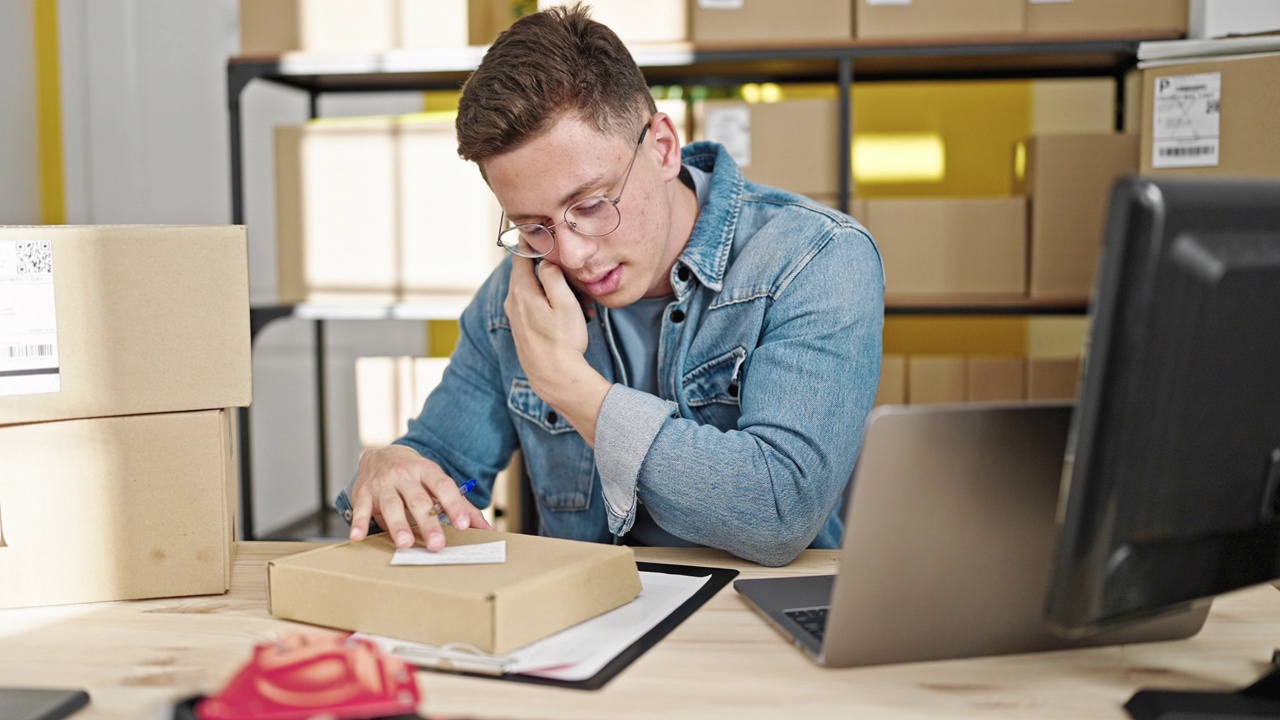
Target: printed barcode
(1187,151)
(18,352)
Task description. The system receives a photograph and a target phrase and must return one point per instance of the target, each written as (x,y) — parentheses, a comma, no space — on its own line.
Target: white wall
(146,141)
(19,154)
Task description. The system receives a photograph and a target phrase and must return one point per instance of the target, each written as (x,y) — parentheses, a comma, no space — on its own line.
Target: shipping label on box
(544,586)
(1186,117)
(117,508)
(790,144)
(28,319)
(122,320)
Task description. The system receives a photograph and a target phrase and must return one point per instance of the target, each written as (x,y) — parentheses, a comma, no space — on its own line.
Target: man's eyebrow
(569,197)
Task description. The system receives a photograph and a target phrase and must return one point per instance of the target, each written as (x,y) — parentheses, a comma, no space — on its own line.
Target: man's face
(537,181)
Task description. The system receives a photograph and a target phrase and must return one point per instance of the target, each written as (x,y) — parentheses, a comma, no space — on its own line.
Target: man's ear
(667,139)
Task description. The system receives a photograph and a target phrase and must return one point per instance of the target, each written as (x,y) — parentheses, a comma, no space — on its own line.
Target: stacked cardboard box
(380,210)
(121,349)
(654,21)
(789,144)
(756,21)
(942,19)
(1211,118)
(978,378)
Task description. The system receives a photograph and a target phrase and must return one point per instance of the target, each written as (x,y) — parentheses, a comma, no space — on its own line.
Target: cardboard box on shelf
(654,21)
(1213,118)
(990,379)
(117,508)
(1112,17)
(380,210)
(434,24)
(790,144)
(936,379)
(1052,378)
(755,22)
(902,19)
(274,27)
(950,246)
(1068,183)
(545,586)
(102,320)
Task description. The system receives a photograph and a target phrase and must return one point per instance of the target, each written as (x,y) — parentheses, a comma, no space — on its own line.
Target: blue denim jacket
(768,365)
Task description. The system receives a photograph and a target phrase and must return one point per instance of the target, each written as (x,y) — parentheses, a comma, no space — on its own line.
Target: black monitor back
(1170,489)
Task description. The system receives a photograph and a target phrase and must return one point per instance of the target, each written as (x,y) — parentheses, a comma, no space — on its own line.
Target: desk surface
(135,658)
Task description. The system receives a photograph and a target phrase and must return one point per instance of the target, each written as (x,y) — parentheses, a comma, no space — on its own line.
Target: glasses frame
(551,229)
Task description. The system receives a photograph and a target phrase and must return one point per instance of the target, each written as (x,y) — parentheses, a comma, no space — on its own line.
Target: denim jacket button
(683,274)
(552,417)
(677,316)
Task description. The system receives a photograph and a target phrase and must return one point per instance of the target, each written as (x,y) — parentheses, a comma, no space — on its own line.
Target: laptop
(948,547)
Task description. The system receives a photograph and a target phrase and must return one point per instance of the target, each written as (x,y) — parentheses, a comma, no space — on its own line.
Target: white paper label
(1048,2)
(28,324)
(888,2)
(1186,117)
(478,554)
(721,4)
(731,127)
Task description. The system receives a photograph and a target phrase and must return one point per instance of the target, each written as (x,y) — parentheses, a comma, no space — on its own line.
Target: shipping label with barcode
(28,322)
(731,127)
(1186,115)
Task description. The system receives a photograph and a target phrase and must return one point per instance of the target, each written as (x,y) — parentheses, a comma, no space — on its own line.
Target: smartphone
(40,703)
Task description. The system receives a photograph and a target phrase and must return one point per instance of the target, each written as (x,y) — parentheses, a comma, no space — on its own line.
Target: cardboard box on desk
(899,19)
(1068,182)
(756,22)
(122,320)
(380,210)
(545,586)
(117,508)
(1212,118)
(790,144)
(949,246)
(1132,17)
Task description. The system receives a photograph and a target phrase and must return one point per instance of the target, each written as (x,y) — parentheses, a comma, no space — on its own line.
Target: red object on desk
(304,676)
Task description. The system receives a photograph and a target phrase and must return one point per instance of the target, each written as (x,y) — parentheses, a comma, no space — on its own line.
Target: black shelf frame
(999,57)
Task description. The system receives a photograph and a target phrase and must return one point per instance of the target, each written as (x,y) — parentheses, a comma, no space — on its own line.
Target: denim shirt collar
(707,252)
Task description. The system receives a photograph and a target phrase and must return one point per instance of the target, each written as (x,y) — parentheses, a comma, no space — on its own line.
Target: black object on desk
(40,703)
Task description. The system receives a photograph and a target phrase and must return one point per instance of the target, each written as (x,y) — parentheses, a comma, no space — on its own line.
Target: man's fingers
(361,512)
(397,523)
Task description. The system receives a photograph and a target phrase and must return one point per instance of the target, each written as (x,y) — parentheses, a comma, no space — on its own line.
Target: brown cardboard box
(990,379)
(1052,378)
(755,22)
(653,21)
(1068,184)
(897,19)
(790,144)
(131,320)
(272,27)
(1111,17)
(935,379)
(1242,141)
(487,18)
(893,380)
(116,508)
(951,246)
(380,210)
(545,586)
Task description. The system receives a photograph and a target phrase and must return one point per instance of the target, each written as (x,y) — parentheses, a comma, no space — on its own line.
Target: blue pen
(464,488)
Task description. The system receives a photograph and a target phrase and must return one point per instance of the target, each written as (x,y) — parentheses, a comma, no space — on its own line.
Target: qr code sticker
(34,258)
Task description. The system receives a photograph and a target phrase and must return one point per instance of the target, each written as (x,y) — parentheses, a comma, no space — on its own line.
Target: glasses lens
(594,216)
(527,240)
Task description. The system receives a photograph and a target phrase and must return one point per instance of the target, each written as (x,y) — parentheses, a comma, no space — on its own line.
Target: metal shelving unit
(994,57)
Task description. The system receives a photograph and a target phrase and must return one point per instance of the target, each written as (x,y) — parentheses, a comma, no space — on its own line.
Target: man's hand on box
(400,489)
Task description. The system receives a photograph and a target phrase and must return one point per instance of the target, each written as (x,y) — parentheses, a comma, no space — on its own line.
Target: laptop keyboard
(813,620)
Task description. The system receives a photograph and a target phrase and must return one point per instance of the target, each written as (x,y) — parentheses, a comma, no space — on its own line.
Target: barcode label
(1186,120)
(15,352)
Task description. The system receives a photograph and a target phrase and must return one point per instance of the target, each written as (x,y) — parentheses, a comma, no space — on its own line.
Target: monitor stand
(1259,700)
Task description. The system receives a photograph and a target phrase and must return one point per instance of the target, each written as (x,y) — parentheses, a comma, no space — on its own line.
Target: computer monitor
(1172,493)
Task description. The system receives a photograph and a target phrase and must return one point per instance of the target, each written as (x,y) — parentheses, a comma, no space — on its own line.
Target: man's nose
(573,249)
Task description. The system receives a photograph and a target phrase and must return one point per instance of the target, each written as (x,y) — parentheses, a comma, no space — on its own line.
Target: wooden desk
(137,658)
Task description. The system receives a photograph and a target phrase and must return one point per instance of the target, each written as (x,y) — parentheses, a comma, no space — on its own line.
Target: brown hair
(548,64)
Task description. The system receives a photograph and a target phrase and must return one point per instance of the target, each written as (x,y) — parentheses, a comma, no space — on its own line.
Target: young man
(684,357)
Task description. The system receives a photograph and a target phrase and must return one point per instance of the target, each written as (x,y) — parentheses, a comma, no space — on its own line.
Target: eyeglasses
(594,216)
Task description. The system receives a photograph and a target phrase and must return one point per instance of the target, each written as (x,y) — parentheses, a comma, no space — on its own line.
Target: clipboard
(717,579)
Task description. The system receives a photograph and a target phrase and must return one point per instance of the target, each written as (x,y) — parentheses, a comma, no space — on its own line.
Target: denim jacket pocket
(554,452)
(712,389)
